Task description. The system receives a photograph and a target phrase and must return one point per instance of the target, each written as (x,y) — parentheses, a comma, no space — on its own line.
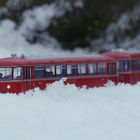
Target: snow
(65,112)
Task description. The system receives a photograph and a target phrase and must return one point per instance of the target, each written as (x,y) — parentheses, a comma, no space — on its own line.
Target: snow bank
(67,112)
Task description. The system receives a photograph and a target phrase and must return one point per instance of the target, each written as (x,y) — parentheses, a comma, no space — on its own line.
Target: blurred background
(96,25)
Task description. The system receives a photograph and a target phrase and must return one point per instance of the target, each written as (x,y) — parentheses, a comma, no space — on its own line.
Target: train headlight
(8,86)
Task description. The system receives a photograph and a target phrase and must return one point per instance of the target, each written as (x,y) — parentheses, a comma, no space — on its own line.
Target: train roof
(17,61)
(122,55)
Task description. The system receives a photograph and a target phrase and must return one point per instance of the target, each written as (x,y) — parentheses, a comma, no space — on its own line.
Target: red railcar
(128,66)
(21,74)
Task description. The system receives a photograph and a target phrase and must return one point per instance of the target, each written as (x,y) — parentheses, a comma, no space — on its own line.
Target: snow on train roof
(18,61)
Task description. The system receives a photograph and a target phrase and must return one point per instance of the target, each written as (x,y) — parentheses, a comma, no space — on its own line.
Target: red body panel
(22,86)
(91,81)
(126,78)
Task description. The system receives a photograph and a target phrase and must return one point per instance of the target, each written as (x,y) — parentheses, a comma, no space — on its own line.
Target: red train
(19,74)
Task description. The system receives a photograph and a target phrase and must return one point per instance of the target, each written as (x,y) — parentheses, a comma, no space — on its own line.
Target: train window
(39,72)
(5,73)
(126,65)
(136,64)
(71,69)
(82,68)
(58,69)
(123,65)
(17,73)
(61,70)
(101,68)
(120,66)
(50,70)
(92,68)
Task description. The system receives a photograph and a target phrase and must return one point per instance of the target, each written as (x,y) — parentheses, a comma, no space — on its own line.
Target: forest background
(94,24)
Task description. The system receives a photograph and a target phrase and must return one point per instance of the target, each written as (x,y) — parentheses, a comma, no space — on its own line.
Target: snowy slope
(66,112)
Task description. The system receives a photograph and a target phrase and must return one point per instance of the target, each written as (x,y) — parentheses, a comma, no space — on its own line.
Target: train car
(21,74)
(128,66)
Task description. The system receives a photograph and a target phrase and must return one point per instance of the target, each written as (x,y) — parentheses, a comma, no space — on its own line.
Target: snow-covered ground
(65,112)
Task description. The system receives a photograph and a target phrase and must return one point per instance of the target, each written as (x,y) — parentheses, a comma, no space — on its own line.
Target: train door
(27,72)
(124,71)
(120,69)
(136,70)
(134,64)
